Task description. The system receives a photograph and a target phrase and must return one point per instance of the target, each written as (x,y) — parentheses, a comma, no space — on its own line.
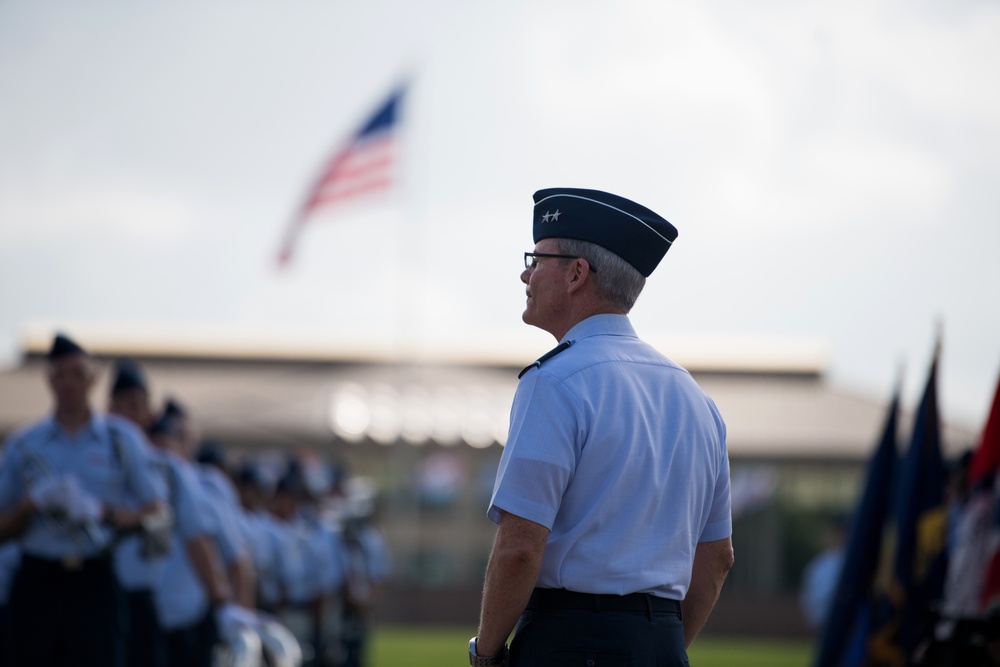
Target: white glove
(49,494)
(81,505)
(230,618)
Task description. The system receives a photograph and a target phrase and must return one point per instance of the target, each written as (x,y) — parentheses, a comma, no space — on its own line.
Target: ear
(579,275)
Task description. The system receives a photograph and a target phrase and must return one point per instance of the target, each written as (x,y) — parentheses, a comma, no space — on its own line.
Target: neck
(582,314)
(72,418)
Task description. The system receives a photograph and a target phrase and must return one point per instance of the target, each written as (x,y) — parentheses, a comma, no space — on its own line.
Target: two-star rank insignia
(551,217)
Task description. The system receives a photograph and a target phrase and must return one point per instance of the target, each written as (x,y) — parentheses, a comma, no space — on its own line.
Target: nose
(525,275)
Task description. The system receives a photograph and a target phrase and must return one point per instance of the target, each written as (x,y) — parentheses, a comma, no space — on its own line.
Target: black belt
(562,599)
(70,563)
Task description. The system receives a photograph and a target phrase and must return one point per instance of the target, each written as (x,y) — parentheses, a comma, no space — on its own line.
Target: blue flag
(845,634)
(904,615)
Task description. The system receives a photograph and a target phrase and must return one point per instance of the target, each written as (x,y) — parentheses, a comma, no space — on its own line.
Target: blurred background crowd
(272,556)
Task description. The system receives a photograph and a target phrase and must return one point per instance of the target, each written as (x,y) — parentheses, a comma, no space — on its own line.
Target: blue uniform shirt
(224,506)
(107,458)
(136,571)
(617,451)
(179,596)
(268,546)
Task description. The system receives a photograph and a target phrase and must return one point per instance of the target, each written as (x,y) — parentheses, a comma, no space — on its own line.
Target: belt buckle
(71,562)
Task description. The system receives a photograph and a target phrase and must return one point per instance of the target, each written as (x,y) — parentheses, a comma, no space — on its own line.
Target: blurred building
(428,435)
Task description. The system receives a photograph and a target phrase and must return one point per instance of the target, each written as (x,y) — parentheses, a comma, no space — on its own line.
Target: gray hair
(617,281)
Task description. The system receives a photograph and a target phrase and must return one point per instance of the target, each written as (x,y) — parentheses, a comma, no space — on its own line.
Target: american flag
(364,166)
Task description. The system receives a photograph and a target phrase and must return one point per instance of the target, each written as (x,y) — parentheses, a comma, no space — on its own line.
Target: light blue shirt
(297,576)
(325,553)
(819,585)
(179,596)
(107,457)
(288,562)
(183,494)
(223,504)
(136,571)
(617,451)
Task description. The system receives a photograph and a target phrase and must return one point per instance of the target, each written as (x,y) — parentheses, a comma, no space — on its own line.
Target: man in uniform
(195,597)
(612,494)
(68,484)
(138,570)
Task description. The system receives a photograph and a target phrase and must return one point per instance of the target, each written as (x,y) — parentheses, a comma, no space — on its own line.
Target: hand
(81,505)
(230,618)
(49,494)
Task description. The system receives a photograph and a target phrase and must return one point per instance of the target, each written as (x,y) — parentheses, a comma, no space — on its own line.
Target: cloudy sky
(832,168)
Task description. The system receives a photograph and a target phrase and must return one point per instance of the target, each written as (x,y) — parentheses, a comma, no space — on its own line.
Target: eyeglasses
(531,259)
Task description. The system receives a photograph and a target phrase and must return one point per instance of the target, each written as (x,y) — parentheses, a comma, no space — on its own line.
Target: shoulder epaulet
(537,363)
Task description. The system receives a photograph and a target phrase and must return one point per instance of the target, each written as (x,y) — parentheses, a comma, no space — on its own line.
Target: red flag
(986,459)
(986,464)
(363,166)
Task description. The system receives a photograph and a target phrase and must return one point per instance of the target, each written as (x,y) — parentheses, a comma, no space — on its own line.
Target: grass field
(426,647)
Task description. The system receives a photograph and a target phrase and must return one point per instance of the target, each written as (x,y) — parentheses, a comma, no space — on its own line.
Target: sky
(832,169)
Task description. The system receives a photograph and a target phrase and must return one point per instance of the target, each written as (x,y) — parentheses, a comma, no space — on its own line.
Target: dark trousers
(146,643)
(578,630)
(192,646)
(4,635)
(63,615)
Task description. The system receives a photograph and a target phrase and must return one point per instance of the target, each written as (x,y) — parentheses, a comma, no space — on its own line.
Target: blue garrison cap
(63,346)
(211,453)
(128,375)
(629,230)
(167,425)
(174,410)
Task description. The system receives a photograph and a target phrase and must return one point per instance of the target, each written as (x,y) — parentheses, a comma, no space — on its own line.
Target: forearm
(711,565)
(510,578)
(242,581)
(208,567)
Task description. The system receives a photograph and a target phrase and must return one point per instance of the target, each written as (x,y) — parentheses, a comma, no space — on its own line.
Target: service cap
(629,230)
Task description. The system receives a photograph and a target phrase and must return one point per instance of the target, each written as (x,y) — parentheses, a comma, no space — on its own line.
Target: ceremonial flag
(846,631)
(982,474)
(363,166)
(903,615)
(973,582)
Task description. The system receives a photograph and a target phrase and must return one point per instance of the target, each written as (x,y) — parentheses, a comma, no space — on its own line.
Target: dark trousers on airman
(146,645)
(192,646)
(65,613)
(564,629)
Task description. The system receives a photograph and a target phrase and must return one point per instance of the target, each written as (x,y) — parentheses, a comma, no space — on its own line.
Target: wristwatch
(486,660)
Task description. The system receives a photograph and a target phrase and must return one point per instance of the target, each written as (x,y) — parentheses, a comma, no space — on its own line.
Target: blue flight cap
(167,425)
(211,453)
(248,474)
(629,230)
(128,375)
(63,346)
(174,409)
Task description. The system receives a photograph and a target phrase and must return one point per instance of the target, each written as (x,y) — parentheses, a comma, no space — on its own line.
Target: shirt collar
(93,429)
(600,325)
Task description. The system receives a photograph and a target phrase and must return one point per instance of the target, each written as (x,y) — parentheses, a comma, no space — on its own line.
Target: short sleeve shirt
(109,459)
(617,451)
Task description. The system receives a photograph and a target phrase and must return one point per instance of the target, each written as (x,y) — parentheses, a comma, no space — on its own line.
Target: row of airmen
(122,543)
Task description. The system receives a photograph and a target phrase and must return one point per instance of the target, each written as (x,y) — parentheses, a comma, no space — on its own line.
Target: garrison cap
(128,375)
(167,425)
(63,346)
(211,453)
(629,230)
(174,410)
